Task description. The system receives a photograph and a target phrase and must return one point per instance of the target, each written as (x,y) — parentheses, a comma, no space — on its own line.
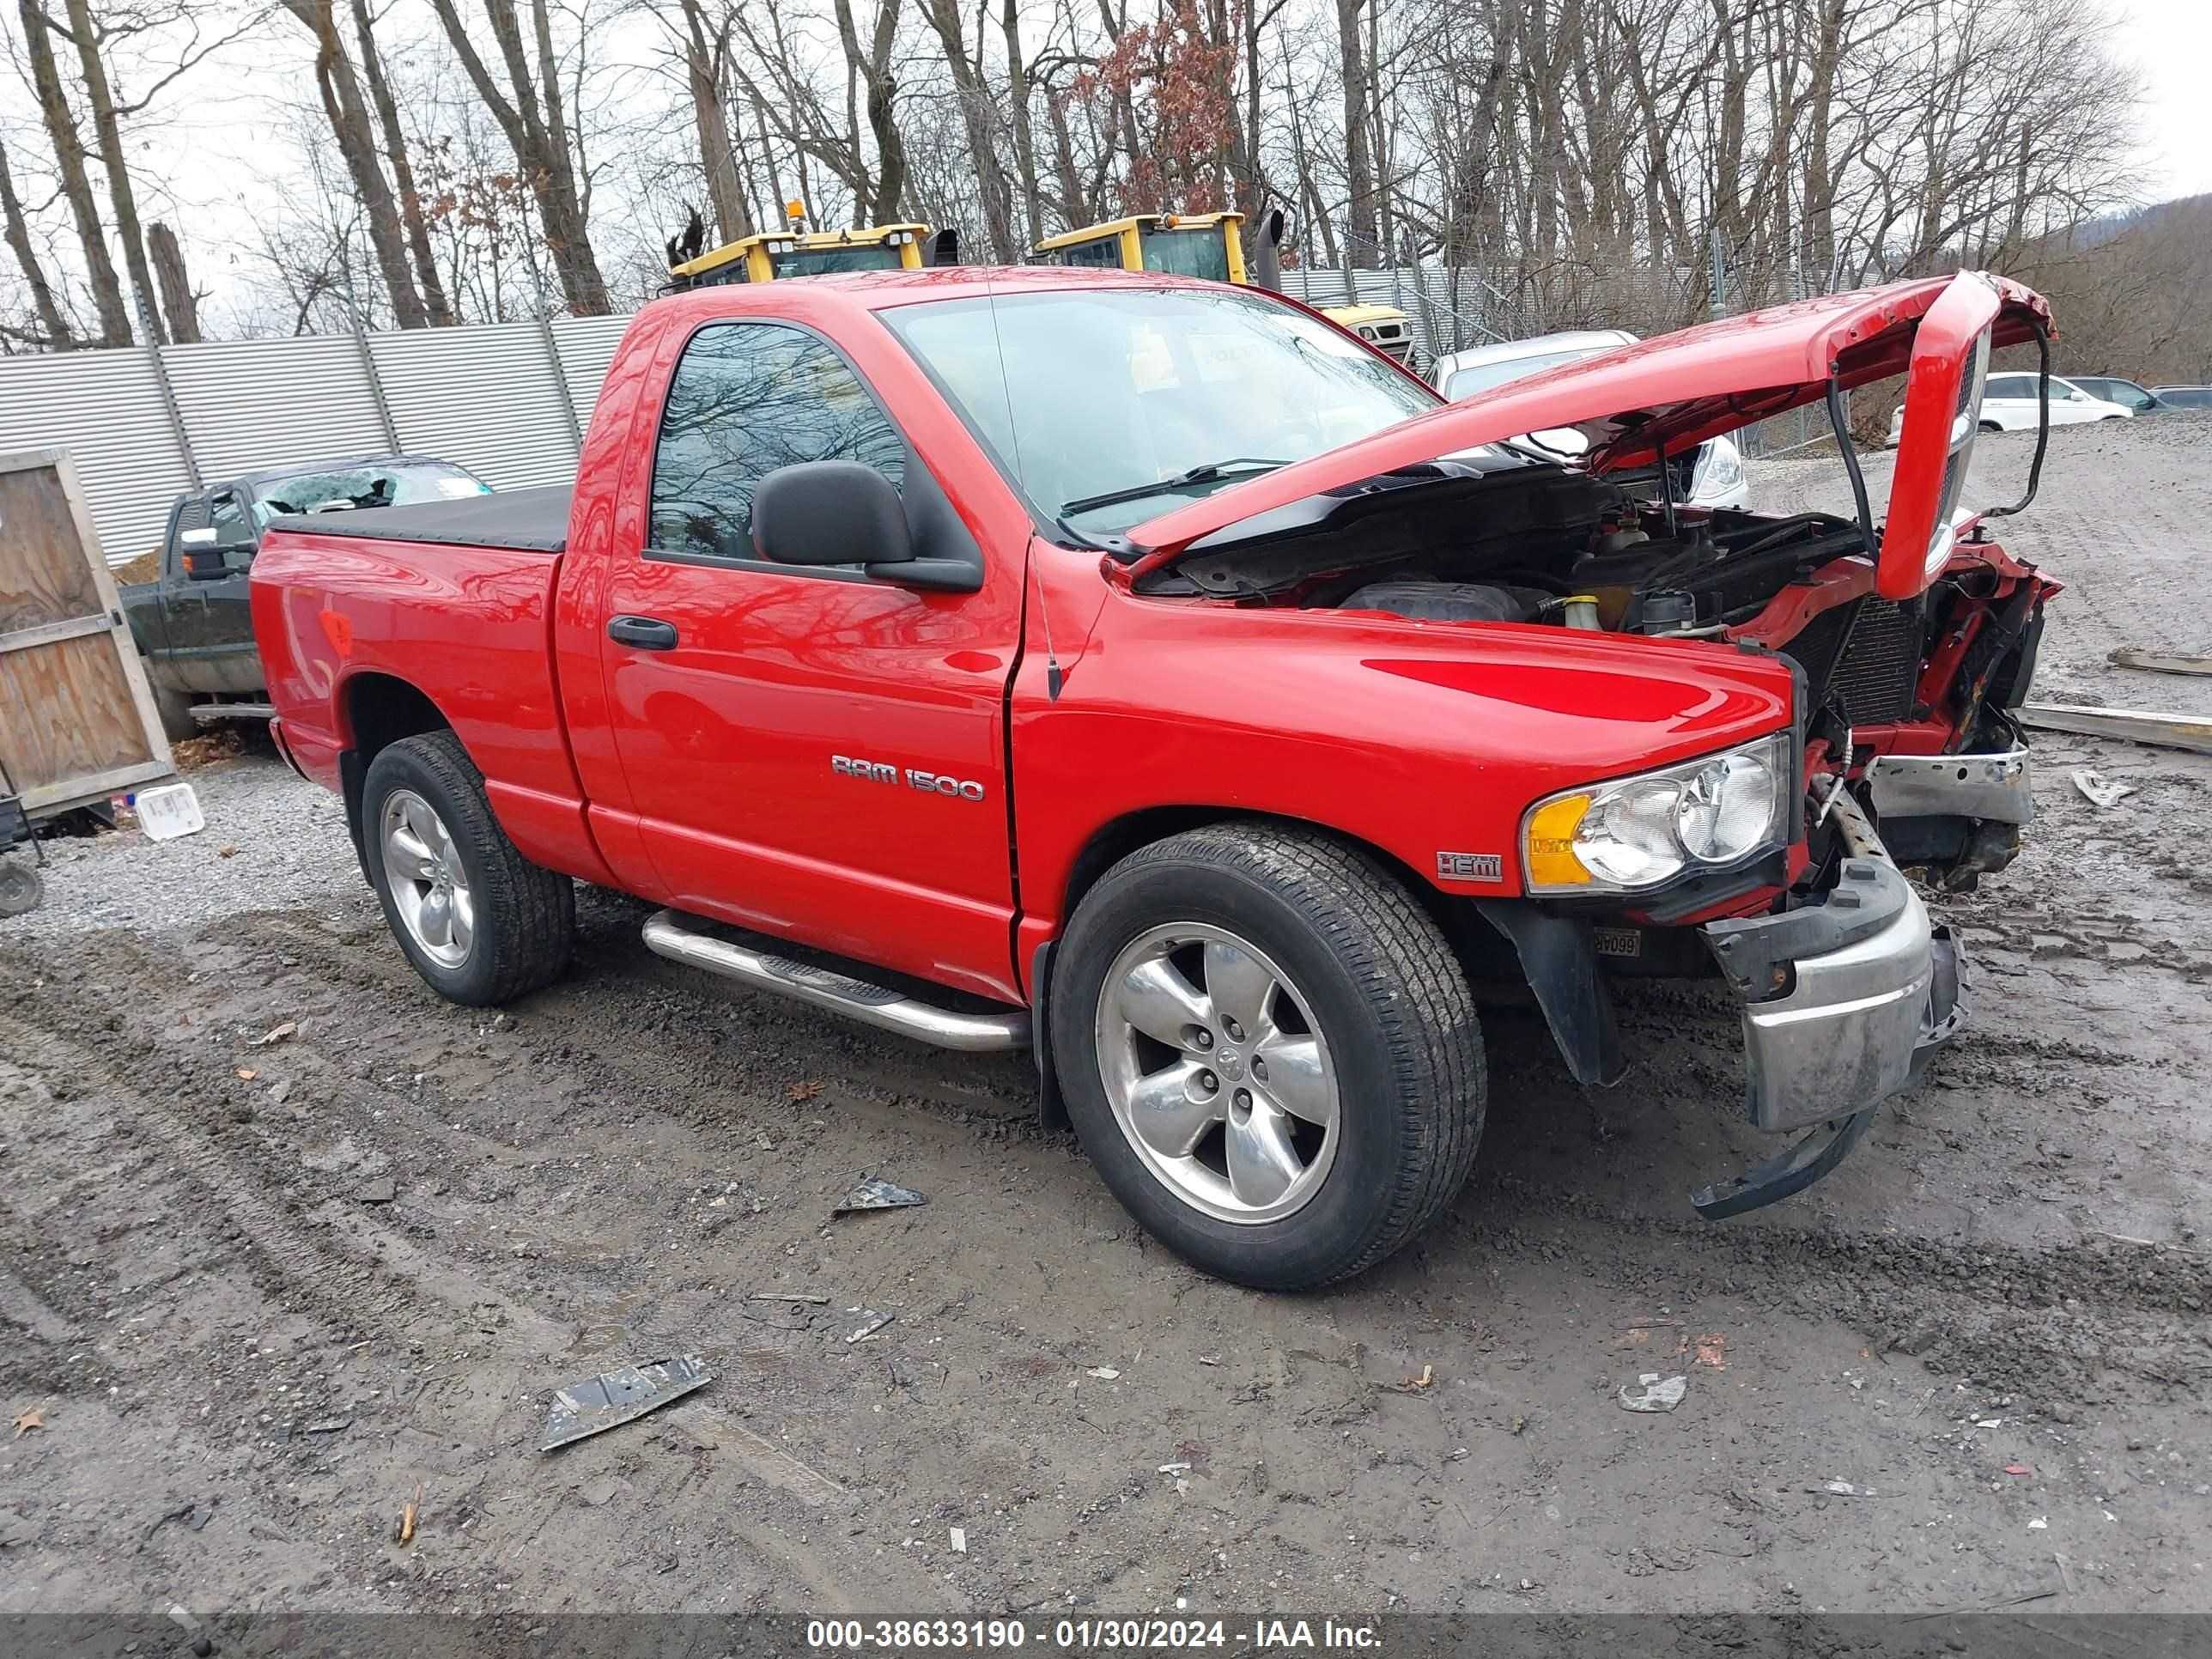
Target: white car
(2009,405)
(1716,480)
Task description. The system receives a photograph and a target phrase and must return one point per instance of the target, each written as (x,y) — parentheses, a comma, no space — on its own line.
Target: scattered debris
(26,1421)
(1103,1373)
(804,1090)
(1658,1393)
(1412,1385)
(1989,1422)
(1711,1351)
(2155,662)
(378,1189)
(2018,1468)
(2099,793)
(1842,1489)
(408,1514)
(330,1426)
(1652,1325)
(227,850)
(876,1193)
(791,1295)
(246,1074)
(1454,1456)
(613,1397)
(871,1322)
(1174,1468)
(1209,1359)
(2065,1572)
(959,1541)
(2041,1523)
(2144,726)
(275,1034)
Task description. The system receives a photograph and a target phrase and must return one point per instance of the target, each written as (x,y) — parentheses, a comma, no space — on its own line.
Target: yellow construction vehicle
(799,252)
(1212,246)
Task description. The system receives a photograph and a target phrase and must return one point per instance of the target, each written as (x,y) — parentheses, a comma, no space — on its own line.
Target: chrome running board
(666,935)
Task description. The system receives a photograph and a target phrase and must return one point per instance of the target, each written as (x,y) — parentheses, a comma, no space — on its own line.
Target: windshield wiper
(1203,474)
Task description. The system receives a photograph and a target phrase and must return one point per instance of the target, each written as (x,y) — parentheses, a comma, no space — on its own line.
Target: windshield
(396,483)
(828,261)
(1094,392)
(1188,253)
(1480,377)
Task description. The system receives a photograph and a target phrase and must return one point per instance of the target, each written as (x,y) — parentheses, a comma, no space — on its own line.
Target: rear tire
(481,923)
(175,709)
(1991,425)
(1351,974)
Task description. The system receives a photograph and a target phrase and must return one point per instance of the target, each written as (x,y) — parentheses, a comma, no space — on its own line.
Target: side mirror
(818,513)
(208,560)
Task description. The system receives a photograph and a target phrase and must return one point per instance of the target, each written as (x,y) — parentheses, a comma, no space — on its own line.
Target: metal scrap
(876,1193)
(613,1397)
(2098,791)
(1655,1393)
(871,1322)
(2143,726)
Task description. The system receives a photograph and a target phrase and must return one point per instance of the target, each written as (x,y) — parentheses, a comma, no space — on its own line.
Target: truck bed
(518,521)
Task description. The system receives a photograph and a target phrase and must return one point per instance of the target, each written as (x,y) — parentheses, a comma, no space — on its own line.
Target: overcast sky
(2170,41)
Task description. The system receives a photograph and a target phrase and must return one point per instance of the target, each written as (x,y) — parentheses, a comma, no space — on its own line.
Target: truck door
(208,621)
(812,751)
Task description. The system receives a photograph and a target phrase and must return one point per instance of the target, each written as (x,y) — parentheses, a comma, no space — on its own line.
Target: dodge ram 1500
(1146,671)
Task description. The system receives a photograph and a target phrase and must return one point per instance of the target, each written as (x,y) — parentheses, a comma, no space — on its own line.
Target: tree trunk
(177,299)
(1358,160)
(435,306)
(530,126)
(704,49)
(107,129)
(874,66)
(59,335)
(976,113)
(1018,99)
(343,109)
(69,161)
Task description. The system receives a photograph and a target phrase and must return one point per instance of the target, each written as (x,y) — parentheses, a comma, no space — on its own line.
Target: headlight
(1719,470)
(1634,833)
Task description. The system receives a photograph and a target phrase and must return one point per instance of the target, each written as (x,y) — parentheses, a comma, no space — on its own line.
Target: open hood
(1679,389)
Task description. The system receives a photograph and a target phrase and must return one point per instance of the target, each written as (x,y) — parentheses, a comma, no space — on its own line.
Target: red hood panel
(1677,390)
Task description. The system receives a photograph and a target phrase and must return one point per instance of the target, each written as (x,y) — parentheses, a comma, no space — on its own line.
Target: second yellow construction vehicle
(1211,245)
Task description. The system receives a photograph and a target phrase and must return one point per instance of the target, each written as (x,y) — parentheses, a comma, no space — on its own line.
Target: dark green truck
(192,623)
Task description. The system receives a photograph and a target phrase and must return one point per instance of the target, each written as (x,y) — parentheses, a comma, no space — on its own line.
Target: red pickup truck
(1146,672)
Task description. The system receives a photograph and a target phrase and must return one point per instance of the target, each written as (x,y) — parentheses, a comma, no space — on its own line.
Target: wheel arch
(376,710)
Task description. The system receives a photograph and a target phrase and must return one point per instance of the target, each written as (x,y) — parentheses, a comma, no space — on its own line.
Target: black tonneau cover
(526,520)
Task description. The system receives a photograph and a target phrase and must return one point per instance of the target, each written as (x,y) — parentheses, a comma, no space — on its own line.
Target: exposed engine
(1502,539)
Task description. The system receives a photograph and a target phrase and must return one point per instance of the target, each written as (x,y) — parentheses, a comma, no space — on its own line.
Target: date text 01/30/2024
(1091,1634)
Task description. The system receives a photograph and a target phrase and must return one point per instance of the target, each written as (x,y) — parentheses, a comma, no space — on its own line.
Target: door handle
(646,633)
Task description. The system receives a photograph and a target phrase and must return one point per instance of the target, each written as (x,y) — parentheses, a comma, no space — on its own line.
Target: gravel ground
(262,1293)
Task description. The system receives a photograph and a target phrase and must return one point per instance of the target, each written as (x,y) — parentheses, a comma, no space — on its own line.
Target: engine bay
(1505,538)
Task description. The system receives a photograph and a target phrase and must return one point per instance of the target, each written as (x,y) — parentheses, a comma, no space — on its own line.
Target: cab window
(229,517)
(747,398)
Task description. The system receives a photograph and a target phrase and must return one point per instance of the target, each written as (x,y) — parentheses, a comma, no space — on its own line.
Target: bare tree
(536,125)
(55,333)
(437,309)
(71,162)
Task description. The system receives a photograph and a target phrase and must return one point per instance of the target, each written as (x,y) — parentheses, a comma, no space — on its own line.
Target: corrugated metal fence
(507,400)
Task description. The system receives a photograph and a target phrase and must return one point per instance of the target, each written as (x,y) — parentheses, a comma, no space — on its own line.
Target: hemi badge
(1470,866)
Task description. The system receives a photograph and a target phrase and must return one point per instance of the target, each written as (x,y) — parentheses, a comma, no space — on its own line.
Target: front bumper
(1845,1001)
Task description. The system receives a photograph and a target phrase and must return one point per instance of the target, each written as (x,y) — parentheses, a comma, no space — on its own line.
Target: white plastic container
(169,812)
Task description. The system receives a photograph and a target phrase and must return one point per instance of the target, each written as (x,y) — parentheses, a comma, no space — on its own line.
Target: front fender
(1427,741)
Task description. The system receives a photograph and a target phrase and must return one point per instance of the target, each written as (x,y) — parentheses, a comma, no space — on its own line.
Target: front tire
(174,709)
(481,923)
(1270,1052)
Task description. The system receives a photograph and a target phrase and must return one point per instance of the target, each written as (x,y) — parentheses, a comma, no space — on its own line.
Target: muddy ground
(256,1296)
